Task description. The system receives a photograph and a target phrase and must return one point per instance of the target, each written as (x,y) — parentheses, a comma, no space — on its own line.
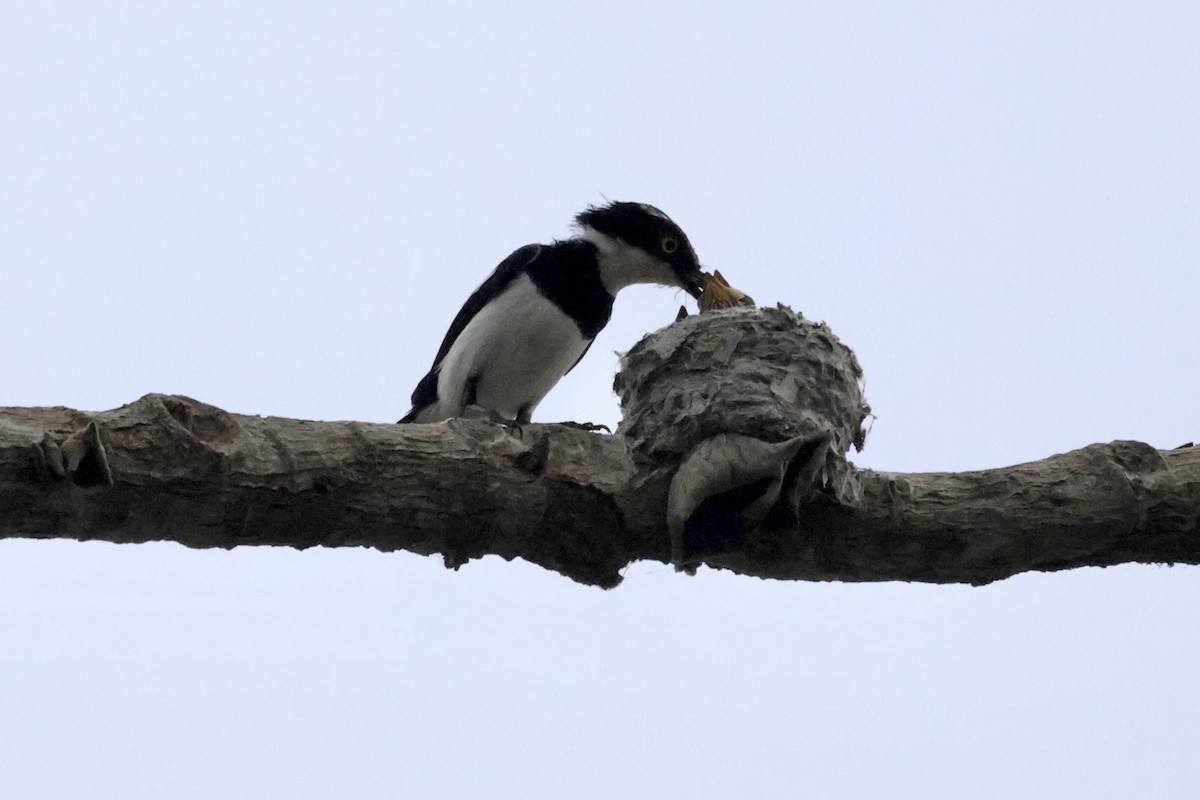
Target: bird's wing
(587,347)
(501,277)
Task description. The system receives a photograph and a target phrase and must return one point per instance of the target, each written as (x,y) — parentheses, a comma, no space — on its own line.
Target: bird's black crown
(649,229)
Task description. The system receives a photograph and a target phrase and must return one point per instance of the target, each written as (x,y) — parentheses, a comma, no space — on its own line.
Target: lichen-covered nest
(768,373)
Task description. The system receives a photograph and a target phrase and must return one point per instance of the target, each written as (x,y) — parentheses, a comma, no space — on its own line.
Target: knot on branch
(201,438)
(199,421)
(82,458)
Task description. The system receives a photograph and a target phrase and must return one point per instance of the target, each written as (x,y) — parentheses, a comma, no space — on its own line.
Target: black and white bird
(532,320)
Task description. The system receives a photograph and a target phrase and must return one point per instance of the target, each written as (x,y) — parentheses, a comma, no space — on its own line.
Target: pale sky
(278,211)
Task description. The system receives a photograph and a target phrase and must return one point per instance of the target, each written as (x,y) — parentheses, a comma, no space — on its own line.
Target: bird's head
(640,244)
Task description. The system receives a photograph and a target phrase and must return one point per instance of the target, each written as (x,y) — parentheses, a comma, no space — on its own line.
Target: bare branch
(187,472)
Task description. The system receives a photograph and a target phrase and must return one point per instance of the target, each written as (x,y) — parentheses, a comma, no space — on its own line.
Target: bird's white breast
(518,346)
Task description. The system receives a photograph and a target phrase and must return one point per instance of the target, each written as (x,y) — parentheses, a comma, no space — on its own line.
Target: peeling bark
(582,504)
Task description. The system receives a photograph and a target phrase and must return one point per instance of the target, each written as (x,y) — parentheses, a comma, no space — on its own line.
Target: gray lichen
(767,373)
(734,482)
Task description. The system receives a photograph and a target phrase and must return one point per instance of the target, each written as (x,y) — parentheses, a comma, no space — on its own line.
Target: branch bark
(722,394)
(573,502)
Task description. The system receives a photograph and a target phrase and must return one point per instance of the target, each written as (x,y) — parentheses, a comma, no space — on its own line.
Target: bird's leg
(513,426)
(516,426)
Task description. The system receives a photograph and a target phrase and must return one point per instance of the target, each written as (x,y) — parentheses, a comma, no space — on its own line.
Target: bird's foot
(590,427)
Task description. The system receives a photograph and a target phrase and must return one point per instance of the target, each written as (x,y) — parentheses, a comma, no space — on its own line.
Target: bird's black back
(568,273)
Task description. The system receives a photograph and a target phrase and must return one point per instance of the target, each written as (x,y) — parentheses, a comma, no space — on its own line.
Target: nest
(767,373)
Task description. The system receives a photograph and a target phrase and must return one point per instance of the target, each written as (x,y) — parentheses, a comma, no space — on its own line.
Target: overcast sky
(279,210)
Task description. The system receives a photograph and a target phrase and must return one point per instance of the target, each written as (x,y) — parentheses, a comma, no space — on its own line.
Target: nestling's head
(642,245)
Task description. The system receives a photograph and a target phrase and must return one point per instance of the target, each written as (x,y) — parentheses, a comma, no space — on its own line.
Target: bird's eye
(669,244)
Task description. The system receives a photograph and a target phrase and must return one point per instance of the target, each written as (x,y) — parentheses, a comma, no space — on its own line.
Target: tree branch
(187,472)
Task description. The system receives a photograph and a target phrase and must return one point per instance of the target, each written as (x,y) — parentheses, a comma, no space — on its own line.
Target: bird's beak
(694,284)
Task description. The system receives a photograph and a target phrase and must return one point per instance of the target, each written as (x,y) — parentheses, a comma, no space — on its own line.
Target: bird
(537,314)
